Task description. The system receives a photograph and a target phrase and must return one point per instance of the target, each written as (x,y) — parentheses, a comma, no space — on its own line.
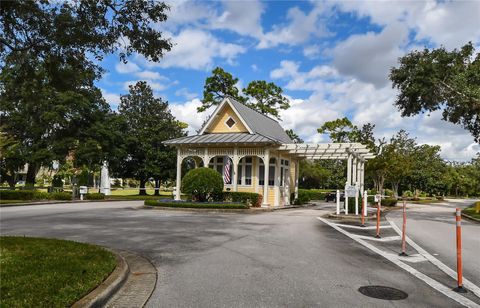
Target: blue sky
(332,59)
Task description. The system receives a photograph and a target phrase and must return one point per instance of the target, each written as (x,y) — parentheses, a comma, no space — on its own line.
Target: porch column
(179,176)
(257,175)
(206,159)
(277,181)
(266,163)
(286,185)
(235,169)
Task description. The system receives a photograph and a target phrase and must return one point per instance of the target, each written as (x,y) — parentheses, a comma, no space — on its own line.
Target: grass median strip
(472,211)
(37,272)
(196,205)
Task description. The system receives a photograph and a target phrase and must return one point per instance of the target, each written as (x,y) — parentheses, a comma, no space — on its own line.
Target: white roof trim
(218,109)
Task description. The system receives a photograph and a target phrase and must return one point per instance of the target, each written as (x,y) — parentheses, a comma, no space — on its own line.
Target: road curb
(107,289)
(470,217)
(64,202)
(205,210)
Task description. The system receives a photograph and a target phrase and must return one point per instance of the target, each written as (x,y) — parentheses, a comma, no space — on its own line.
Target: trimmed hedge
(193,205)
(94,196)
(389,202)
(33,195)
(250,199)
(312,194)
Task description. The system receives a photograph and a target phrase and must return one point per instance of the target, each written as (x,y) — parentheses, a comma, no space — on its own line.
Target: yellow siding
(219,126)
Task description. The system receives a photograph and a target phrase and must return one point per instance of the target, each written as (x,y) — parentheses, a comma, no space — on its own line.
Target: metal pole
(404,229)
(378,219)
(363,212)
(458,220)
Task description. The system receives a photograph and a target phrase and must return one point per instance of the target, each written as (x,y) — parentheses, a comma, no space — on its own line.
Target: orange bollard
(458,220)
(363,212)
(404,227)
(378,218)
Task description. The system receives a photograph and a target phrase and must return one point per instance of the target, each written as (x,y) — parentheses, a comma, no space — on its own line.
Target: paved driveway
(278,259)
(433,228)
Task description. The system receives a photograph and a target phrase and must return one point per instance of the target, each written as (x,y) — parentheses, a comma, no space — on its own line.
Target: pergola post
(235,169)
(356,175)
(266,163)
(349,169)
(297,166)
(179,176)
(362,176)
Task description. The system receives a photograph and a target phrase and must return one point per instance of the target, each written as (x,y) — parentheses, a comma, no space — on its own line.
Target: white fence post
(338,202)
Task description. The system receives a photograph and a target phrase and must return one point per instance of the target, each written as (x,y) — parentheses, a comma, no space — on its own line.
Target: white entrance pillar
(179,175)
(266,164)
(356,178)
(105,180)
(235,169)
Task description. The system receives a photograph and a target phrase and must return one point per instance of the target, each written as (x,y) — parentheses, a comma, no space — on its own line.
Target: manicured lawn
(199,205)
(11,201)
(471,211)
(38,272)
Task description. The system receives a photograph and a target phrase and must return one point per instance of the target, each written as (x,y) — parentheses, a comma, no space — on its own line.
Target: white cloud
(156,86)
(126,68)
(311,51)
(242,17)
(334,96)
(185,93)
(151,75)
(254,67)
(448,23)
(370,56)
(112,99)
(299,29)
(197,49)
(187,112)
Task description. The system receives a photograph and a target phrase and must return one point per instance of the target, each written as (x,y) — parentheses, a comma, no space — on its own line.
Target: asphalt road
(433,228)
(276,259)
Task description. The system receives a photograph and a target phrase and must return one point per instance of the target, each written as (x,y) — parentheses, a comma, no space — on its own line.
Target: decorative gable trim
(220,108)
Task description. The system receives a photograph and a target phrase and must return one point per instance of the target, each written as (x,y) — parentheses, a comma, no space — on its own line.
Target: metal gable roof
(260,123)
(223,138)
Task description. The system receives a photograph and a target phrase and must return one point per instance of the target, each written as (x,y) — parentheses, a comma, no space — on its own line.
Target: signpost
(83,191)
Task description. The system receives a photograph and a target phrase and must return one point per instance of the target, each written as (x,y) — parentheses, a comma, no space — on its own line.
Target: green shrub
(201,205)
(407,193)
(203,184)
(313,194)
(94,196)
(389,192)
(60,196)
(389,202)
(57,181)
(250,199)
(303,197)
(17,194)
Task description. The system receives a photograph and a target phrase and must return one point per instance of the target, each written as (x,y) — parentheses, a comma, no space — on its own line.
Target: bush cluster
(312,194)
(389,202)
(95,196)
(303,197)
(250,199)
(203,184)
(201,205)
(33,195)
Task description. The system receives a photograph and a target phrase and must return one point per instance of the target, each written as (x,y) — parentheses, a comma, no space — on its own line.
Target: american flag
(226,171)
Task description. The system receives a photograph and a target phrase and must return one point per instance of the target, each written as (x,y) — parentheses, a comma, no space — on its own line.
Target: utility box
(83,190)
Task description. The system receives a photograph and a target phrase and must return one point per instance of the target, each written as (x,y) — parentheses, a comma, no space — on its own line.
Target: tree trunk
(31,174)
(157,187)
(395,189)
(142,191)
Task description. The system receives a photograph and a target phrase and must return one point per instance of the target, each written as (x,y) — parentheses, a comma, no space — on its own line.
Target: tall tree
(266,98)
(47,91)
(444,80)
(217,87)
(148,123)
(295,138)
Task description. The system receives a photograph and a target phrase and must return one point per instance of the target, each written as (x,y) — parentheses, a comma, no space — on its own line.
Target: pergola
(354,153)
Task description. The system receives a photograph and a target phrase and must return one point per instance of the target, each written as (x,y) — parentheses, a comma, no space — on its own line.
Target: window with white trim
(245,171)
(271,172)
(218,163)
